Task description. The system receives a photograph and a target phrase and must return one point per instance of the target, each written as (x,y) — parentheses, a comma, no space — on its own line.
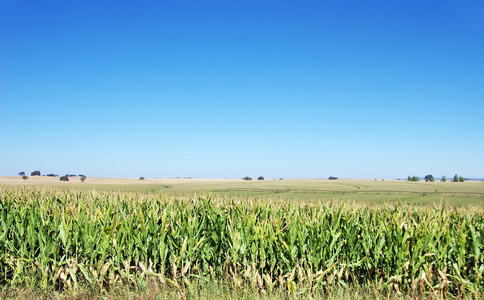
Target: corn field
(69,240)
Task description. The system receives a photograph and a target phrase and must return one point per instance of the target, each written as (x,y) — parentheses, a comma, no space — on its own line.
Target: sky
(228,89)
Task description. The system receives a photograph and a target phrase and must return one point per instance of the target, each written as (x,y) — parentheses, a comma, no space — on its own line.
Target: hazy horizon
(220,89)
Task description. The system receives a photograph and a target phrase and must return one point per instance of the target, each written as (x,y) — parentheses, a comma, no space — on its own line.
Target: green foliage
(444,179)
(25,177)
(247,178)
(413,178)
(141,178)
(429,178)
(35,173)
(458,178)
(21,173)
(70,240)
(64,178)
(260,178)
(83,178)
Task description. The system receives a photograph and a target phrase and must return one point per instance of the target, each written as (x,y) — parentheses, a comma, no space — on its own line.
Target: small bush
(413,178)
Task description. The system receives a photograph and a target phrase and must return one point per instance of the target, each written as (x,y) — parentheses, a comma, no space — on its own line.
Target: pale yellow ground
(45,180)
(366,190)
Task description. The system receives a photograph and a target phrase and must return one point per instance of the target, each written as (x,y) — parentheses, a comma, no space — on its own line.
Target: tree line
(62,178)
(430,178)
(250,178)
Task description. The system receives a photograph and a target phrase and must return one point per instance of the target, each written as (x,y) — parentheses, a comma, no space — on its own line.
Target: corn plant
(70,240)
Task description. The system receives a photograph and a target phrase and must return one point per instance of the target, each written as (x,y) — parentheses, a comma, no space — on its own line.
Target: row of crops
(69,240)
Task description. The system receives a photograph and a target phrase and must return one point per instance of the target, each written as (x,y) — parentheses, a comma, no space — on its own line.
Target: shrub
(413,178)
(64,178)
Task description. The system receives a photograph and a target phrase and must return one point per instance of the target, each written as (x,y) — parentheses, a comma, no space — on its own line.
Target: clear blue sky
(227,89)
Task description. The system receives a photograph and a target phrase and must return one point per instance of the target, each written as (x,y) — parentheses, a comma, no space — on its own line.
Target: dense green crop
(73,239)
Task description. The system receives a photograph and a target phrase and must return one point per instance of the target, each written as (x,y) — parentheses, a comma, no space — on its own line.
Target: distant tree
(429,178)
(456,178)
(413,178)
(141,178)
(81,175)
(35,173)
(247,178)
(83,178)
(444,179)
(21,173)
(281,178)
(64,178)
(25,177)
(260,178)
(461,179)
(51,175)
(332,178)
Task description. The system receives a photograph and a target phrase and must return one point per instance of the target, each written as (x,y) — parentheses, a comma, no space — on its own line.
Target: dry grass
(307,190)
